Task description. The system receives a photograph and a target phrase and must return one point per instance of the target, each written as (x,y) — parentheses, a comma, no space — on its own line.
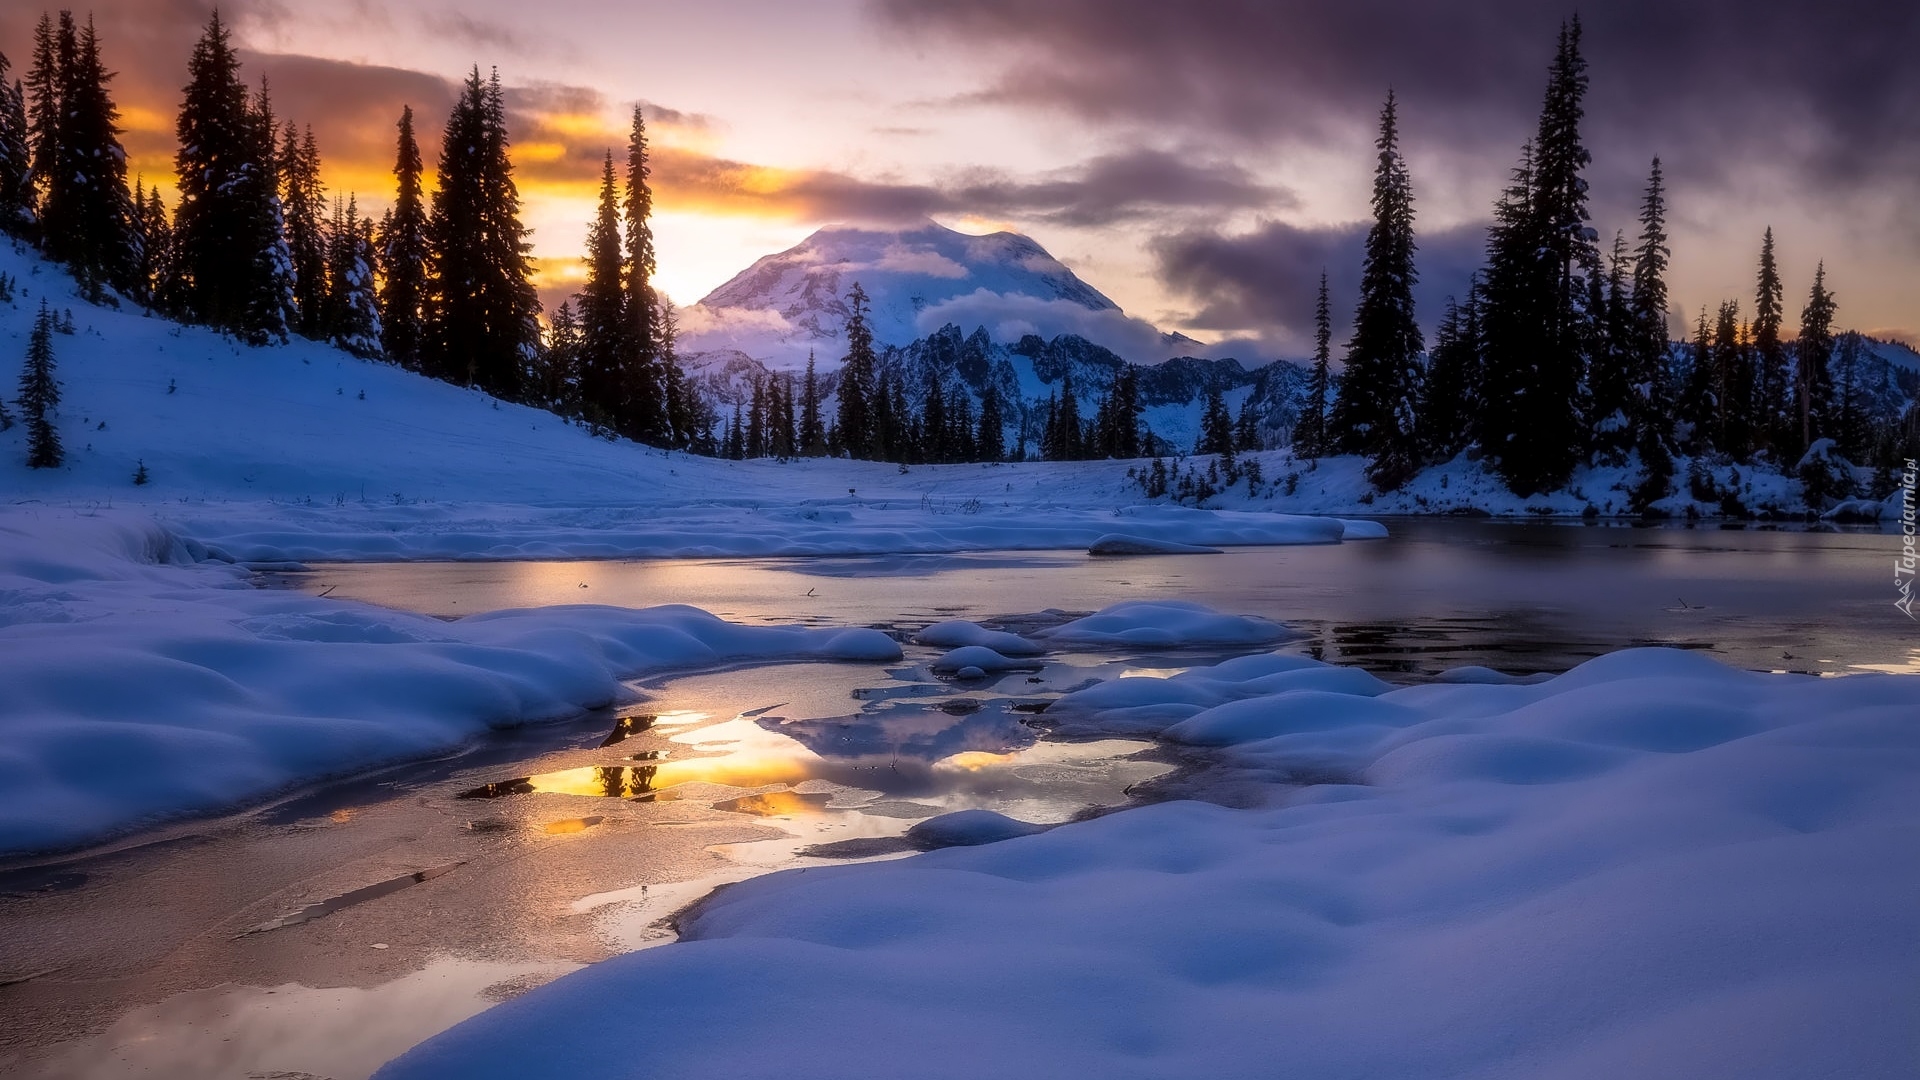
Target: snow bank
(1651,866)
(1164,624)
(141,685)
(1122,544)
(955,633)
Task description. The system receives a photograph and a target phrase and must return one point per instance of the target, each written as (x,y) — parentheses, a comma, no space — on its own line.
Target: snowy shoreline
(1652,865)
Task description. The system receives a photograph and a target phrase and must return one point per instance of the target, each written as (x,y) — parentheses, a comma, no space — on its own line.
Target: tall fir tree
(813,437)
(991,441)
(1611,363)
(353,305)
(156,252)
(1733,383)
(646,378)
(54,46)
(1773,417)
(481,312)
(1380,388)
(1538,322)
(39,396)
(1697,412)
(231,266)
(87,211)
(17,211)
(606,361)
(1448,400)
(558,386)
(855,422)
(403,255)
(304,203)
(1651,402)
(1310,438)
(1812,377)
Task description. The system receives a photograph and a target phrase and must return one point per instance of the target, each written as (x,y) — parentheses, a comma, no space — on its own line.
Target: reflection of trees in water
(627,727)
(623,781)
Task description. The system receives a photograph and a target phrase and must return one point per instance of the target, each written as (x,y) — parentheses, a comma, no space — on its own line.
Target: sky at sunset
(1199,162)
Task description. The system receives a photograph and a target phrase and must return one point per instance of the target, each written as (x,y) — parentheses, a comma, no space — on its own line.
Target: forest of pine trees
(1558,355)
(258,248)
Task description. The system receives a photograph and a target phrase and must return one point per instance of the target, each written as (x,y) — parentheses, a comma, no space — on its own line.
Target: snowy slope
(794,302)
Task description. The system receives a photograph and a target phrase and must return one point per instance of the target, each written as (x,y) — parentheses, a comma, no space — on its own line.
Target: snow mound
(141,685)
(968,828)
(1165,624)
(1650,866)
(957,632)
(980,658)
(1121,544)
(1486,676)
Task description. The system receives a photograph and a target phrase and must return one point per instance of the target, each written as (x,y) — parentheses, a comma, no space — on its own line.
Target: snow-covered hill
(793,303)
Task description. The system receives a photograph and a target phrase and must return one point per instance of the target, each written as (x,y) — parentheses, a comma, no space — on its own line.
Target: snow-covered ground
(139,684)
(1651,866)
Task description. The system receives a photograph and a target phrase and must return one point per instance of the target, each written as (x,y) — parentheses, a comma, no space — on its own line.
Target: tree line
(256,247)
(1561,355)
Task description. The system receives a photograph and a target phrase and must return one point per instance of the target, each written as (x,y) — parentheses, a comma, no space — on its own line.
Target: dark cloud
(1263,283)
(1134,185)
(1713,86)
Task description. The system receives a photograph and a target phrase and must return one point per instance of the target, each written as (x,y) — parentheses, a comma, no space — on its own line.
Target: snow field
(1650,866)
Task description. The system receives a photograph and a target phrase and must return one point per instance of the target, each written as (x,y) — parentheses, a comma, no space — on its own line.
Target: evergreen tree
(933,420)
(87,213)
(855,421)
(991,442)
(1538,322)
(1651,382)
(1067,436)
(756,429)
(1310,438)
(558,387)
(606,363)
(1699,406)
(271,305)
(1812,378)
(686,413)
(16,158)
(1772,419)
(1850,428)
(1447,400)
(1246,427)
(39,396)
(54,47)
(645,309)
(1733,383)
(481,313)
(304,204)
(1374,413)
(154,276)
(230,265)
(1216,425)
(353,306)
(1614,352)
(403,255)
(784,439)
(813,438)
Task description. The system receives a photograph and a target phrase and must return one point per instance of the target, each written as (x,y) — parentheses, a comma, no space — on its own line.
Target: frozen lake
(251,945)
(1438,593)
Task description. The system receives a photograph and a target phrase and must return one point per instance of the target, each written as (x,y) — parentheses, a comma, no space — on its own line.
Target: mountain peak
(916,278)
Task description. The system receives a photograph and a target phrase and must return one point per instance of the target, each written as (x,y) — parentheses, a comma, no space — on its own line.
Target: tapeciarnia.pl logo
(1903,567)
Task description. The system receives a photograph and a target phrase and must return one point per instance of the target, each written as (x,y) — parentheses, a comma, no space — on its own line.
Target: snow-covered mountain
(793,303)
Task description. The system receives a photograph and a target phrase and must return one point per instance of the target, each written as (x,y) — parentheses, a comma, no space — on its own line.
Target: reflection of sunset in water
(976,760)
